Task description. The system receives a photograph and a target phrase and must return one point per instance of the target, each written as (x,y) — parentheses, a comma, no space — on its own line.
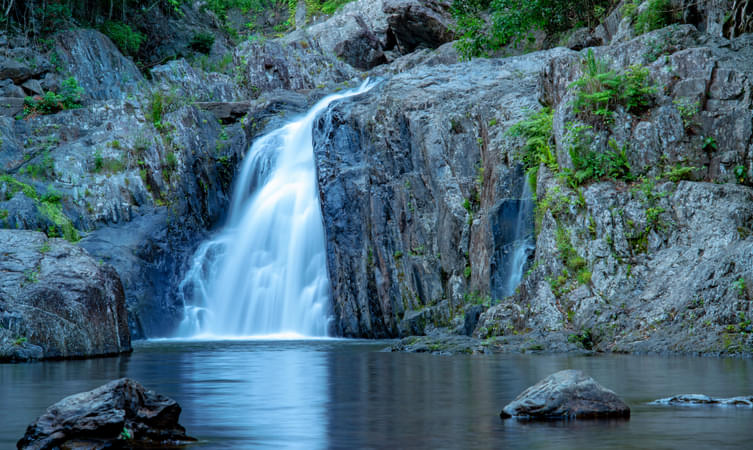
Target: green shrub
(536,129)
(69,97)
(600,90)
(202,42)
(679,173)
(125,38)
(514,21)
(330,6)
(657,14)
(591,165)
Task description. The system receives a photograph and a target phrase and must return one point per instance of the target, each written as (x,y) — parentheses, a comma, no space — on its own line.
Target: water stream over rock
(265,273)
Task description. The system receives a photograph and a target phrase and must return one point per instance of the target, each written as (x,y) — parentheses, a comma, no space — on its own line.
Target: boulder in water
(701,400)
(568,394)
(121,410)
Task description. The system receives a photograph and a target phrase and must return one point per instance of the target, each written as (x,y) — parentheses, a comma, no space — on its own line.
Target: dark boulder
(120,414)
(568,394)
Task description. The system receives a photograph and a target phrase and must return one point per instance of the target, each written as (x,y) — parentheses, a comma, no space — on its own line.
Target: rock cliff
(423,179)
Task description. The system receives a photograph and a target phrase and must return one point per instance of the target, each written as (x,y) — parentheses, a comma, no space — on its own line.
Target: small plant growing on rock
(739,284)
(657,14)
(741,174)
(679,173)
(536,129)
(126,434)
(69,97)
(688,110)
(601,89)
(584,338)
(709,144)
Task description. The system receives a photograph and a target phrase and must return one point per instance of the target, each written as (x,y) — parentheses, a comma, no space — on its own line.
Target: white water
(265,273)
(524,242)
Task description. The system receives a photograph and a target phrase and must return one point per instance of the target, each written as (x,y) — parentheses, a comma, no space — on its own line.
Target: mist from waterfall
(265,272)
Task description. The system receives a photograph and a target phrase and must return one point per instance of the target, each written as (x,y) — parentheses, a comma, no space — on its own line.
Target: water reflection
(347,394)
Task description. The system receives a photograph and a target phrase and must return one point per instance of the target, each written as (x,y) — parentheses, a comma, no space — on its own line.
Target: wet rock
(56,297)
(121,413)
(568,394)
(472,315)
(704,400)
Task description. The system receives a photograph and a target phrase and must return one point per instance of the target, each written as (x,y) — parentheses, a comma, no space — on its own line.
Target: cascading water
(516,242)
(265,272)
(524,242)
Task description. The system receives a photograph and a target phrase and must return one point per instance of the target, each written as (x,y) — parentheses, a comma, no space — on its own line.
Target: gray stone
(568,394)
(11,106)
(226,112)
(103,417)
(15,70)
(704,400)
(33,86)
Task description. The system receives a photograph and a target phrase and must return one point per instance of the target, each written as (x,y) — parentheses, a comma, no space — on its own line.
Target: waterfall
(524,242)
(515,243)
(265,272)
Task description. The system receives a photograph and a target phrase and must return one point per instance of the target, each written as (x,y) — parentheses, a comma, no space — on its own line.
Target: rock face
(97,64)
(415,179)
(56,301)
(663,255)
(122,413)
(568,394)
(704,400)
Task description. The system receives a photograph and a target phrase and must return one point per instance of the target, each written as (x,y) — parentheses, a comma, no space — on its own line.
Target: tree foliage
(485,26)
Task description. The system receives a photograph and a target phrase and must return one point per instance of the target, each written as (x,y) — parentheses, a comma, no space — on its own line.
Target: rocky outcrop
(413,176)
(661,267)
(368,33)
(96,63)
(704,400)
(291,63)
(122,413)
(568,394)
(56,301)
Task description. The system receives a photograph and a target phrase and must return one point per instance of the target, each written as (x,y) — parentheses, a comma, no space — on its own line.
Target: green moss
(536,129)
(54,212)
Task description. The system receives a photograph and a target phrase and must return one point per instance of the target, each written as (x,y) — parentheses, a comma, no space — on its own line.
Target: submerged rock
(700,399)
(568,394)
(121,410)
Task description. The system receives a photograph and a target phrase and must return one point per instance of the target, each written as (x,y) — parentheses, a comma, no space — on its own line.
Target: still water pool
(348,394)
